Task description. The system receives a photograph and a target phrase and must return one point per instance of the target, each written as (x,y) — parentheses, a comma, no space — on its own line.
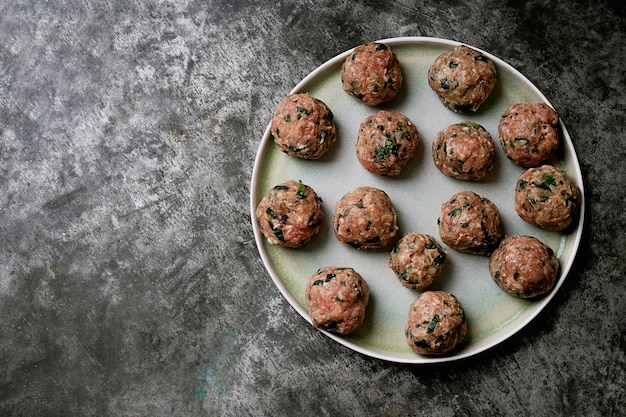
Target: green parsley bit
(432,324)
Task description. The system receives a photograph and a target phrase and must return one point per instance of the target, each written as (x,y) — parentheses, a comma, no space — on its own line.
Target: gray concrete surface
(130,284)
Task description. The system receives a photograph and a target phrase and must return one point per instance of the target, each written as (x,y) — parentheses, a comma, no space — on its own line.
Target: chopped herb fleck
(432,324)
(455,212)
(543,186)
(270,213)
(440,142)
(549,179)
(278,232)
(300,194)
(441,258)
(390,148)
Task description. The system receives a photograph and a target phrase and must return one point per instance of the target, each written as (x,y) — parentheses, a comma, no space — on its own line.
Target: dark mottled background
(130,284)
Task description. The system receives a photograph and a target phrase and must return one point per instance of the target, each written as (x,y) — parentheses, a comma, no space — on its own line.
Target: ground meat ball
(528,133)
(470,223)
(547,198)
(365,218)
(336,299)
(417,259)
(436,323)
(372,74)
(290,214)
(524,266)
(464,151)
(303,126)
(386,142)
(462,79)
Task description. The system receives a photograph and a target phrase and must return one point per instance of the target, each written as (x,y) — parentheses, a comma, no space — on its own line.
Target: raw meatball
(462,78)
(464,151)
(417,259)
(303,126)
(524,266)
(436,323)
(528,133)
(290,214)
(386,142)
(470,223)
(372,74)
(365,218)
(547,198)
(336,299)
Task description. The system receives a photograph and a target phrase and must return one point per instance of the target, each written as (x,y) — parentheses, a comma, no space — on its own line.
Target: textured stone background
(130,283)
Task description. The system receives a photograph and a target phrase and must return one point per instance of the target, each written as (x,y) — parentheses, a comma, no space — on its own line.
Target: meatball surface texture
(365,218)
(336,299)
(372,74)
(464,151)
(547,198)
(303,126)
(524,266)
(463,78)
(436,323)
(290,214)
(386,142)
(417,259)
(470,223)
(528,133)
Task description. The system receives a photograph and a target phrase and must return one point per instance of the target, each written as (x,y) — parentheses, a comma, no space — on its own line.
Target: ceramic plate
(417,194)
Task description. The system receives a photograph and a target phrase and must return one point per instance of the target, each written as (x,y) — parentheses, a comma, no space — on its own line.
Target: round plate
(417,194)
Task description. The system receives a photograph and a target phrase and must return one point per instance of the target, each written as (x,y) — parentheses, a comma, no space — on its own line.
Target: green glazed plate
(417,194)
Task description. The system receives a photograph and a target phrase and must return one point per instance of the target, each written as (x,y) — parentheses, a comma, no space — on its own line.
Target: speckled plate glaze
(492,315)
